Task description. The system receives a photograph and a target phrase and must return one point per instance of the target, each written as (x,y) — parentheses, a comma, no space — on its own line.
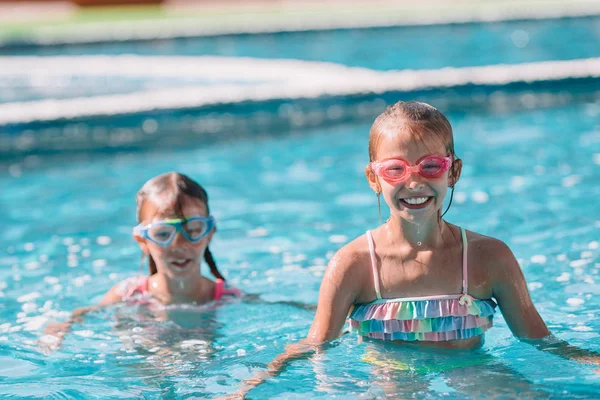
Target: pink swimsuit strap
(423,318)
(465,274)
(223,289)
(139,285)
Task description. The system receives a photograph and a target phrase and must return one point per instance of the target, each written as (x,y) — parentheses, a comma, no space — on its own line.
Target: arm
(255,298)
(561,348)
(55,332)
(510,290)
(339,290)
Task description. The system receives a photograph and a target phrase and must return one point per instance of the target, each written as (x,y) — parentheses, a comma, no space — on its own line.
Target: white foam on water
(564,277)
(579,263)
(84,333)
(356,199)
(99,263)
(257,232)
(263,80)
(35,323)
(480,197)
(338,238)
(28,297)
(575,301)
(535,285)
(539,259)
(103,240)
(582,328)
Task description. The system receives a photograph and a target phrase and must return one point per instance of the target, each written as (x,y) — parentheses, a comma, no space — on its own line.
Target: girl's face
(417,197)
(181,258)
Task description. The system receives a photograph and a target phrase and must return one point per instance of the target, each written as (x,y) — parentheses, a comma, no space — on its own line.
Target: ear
(143,244)
(455,171)
(372,179)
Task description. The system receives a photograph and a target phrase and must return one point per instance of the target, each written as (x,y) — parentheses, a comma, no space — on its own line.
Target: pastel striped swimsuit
(427,318)
(135,289)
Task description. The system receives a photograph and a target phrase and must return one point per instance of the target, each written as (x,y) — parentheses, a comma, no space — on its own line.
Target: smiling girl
(174,231)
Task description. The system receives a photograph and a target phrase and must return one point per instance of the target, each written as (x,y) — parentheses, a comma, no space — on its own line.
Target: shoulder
(124,290)
(350,267)
(352,258)
(128,287)
(491,253)
(487,245)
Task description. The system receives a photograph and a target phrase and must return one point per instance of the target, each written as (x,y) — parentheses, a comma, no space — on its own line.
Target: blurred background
(268,105)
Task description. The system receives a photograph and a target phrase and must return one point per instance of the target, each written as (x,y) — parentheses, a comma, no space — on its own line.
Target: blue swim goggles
(163,232)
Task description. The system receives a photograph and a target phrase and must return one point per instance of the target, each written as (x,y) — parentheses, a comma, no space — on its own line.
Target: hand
(58,329)
(590,360)
(53,336)
(232,396)
(246,386)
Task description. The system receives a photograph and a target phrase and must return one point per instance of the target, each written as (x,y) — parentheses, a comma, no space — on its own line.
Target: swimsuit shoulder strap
(222,289)
(465,272)
(374,264)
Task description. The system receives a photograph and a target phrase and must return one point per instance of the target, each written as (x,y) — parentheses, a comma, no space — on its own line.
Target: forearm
(563,349)
(76,316)
(292,352)
(255,298)
(60,329)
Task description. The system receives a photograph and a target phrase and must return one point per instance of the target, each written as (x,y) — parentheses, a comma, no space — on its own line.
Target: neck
(180,290)
(426,233)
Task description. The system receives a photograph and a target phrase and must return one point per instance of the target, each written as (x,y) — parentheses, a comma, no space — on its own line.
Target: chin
(178,273)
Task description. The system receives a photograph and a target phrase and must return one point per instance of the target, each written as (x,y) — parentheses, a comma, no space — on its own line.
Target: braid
(151,264)
(211,263)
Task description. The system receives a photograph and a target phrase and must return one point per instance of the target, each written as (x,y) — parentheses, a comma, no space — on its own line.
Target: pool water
(284,205)
(394,48)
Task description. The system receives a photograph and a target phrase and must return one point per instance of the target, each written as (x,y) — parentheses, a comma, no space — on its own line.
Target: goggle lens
(431,167)
(195,229)
(162,233)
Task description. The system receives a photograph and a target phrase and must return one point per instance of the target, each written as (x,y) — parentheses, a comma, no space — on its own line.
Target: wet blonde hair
(421,120)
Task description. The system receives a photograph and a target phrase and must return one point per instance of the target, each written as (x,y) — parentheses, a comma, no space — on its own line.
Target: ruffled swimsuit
(427,318)
(135,290)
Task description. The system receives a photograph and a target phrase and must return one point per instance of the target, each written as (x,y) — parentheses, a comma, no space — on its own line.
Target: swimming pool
(415,47)
(284,204)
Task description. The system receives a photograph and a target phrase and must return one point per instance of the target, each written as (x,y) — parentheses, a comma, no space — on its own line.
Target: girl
(416,278)
(174,230)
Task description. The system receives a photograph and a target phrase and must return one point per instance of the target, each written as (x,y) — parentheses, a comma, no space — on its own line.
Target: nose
(179,239)
(414,181)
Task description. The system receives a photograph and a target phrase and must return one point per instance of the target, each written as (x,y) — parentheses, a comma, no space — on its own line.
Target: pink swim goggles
(397,170)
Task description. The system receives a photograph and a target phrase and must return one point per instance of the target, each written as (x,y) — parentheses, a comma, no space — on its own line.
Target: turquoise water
(416,47)
(284,205)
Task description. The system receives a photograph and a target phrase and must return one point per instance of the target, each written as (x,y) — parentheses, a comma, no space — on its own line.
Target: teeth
(416,200)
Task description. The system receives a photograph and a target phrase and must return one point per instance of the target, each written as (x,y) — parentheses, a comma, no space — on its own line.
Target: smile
(181,263)
(416,202)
